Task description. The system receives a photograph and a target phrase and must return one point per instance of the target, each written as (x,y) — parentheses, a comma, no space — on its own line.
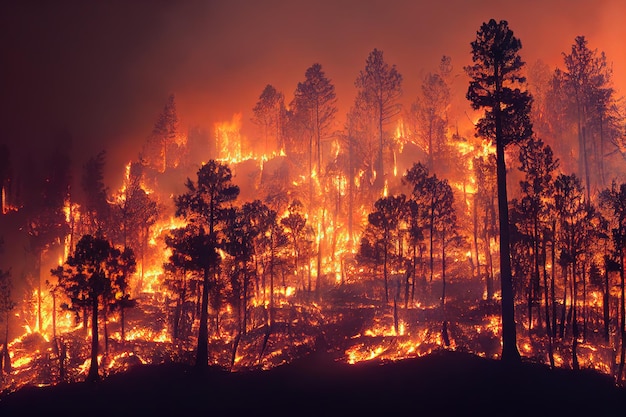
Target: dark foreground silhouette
(441,384)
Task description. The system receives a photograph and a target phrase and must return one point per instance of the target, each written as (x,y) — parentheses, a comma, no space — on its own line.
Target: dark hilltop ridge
(444,383)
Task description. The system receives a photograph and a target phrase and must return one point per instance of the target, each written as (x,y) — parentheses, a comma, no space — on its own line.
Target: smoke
(103,70)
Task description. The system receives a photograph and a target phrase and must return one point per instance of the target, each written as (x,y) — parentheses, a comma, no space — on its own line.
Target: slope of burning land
(445,383)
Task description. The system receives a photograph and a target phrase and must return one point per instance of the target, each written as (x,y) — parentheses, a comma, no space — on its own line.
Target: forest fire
(378,241)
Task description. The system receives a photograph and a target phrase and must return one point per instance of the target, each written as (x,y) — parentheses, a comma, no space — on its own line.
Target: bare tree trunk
(564,306)
(605,301)
(385,250)
(93,375)
(488,257)
(547,307)
(39,297)
(5,360)
(202,351)
(622,311)
(245,301)
(510,352)
(105,324)
(584,277)
(54,319)
(553,277)
(475,217)
(432,236)
(575,331)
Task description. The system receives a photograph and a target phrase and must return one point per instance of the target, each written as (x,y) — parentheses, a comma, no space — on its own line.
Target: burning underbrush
(348,326)
(348,321)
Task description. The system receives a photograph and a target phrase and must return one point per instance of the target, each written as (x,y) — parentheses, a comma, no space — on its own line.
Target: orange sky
(103,70)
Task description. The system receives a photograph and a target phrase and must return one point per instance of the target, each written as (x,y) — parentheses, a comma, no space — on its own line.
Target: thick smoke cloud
(103,70)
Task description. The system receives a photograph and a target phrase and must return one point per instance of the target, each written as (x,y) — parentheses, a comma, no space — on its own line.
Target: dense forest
(389,233)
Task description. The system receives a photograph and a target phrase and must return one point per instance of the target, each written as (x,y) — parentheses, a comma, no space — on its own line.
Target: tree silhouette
(161,149)
(485,172)
(539,165)
(88,280)
(240,233)
(47,226)
(614,199)
(268,115)
(586,79)
(380,87)
(429,112)
(203,207)
(5,175)
(123,266)
(495,86)
(96,210)
(423,195)
(435,199)
(176,269)
(135,211)
(6,305)
(388,211)
(577,221)
(300,236)
(314,108)
(445,223)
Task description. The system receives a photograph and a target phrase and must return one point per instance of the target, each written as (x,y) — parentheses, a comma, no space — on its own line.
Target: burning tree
(495,86)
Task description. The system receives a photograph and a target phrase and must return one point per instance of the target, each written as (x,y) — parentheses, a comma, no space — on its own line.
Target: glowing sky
(103,69)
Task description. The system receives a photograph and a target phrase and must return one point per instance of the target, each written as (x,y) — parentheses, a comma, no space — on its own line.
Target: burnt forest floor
(443,383)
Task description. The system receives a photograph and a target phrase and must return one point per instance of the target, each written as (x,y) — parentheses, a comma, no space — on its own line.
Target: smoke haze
(102,71)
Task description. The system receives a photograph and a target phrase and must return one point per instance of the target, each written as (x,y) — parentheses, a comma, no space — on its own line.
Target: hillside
(443,384)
